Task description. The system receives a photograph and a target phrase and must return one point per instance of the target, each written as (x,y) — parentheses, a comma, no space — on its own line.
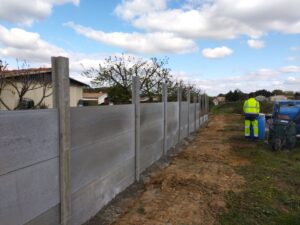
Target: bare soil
(190,190)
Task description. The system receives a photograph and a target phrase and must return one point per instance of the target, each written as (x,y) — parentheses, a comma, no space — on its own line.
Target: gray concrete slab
(27,137)
(87,201)
(92,124)
(29,192)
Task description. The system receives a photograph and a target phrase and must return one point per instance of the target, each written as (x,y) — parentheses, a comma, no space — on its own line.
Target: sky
(218,45)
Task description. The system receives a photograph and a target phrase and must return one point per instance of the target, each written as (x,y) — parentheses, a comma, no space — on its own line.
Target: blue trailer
(288,110)
(285,125)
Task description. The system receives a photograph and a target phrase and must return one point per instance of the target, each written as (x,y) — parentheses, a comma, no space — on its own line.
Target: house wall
(10,96)
(76,93)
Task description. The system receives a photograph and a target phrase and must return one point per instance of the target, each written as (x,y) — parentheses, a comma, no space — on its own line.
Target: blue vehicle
(285,125)
(288,110)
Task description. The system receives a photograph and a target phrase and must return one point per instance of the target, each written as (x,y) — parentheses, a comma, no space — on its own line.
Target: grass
(141,210)
(271,195)
(237,108)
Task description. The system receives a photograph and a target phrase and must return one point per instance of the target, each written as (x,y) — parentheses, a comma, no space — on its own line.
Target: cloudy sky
(217,44)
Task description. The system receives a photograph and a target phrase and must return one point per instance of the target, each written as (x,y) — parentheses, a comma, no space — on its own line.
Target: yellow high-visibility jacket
(251,106)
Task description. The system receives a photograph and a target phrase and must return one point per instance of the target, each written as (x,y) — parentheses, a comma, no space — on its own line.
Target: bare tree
(3,82)
(21,82)
(117,72)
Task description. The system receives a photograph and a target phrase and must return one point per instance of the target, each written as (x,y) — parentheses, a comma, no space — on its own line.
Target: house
(37,82)
(278,98)
(261,98)
(95,98)
(215,101)
(219,100)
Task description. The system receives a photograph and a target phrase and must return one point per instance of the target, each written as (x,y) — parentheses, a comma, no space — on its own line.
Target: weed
(141,210)
(271,195)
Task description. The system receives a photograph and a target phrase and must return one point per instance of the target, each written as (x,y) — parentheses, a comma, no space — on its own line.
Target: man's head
(251,95)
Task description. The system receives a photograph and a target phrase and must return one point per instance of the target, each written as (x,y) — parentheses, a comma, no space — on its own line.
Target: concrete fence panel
(102,162)
(62,165)
(184,120)
(197,116)
(151,133)
(29,165)
(192,117)
(172,124)
(27,137)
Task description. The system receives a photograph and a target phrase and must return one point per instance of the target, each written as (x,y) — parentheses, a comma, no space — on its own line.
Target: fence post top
(59,57)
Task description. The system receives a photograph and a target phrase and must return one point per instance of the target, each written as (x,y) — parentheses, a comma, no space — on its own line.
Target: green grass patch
(271,195)
(141,210)
(228,108)
(237,108)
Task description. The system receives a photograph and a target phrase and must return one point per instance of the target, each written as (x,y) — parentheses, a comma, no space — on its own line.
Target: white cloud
(264,74)
(292,82)
(269,79)
(294,48)
(38,52)
(223,19)
(159,42)
(252,43)
(291,79)
(214,53)
(130,9)
(292,58)
(19,44)
(290,69)
(22,44)
(193,24)
(26,12)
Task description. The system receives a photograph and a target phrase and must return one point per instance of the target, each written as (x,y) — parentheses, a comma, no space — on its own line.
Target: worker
(251,110)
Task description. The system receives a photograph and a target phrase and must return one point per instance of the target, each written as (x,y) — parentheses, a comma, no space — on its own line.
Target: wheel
(277,144)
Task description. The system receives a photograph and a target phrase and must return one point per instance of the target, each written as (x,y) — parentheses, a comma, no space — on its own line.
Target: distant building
(96,97)
(219,100)
(278,98)
(261,98)
(215,101)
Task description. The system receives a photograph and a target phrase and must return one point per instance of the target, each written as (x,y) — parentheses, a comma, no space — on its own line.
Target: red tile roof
(26,72)
(35,71)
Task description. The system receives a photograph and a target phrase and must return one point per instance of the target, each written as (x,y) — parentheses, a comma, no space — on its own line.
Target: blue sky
(217,44)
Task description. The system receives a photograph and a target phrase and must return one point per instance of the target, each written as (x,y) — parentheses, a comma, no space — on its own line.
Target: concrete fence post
(137,118)
(188,110)
(195,114)
(179,99)
(203,105)
(201,109)
(165,119)
(199,99)
(207,108)
(207,104)
(61,101)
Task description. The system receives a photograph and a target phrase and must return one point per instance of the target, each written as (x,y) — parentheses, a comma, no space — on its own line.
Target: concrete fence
(62,165)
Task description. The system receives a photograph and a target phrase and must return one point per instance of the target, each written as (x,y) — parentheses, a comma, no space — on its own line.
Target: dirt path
(190,191)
